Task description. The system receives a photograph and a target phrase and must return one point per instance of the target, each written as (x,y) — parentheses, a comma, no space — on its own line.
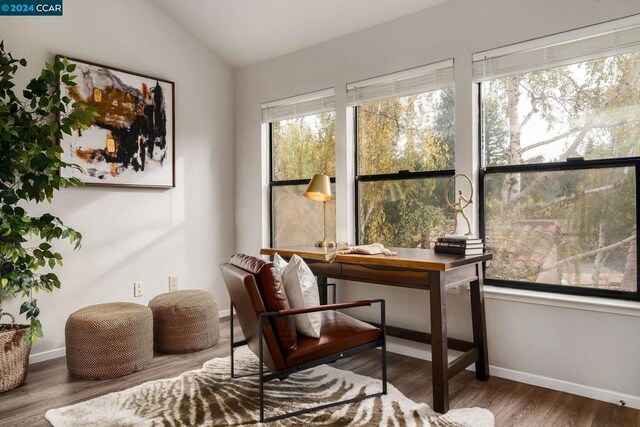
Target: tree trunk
(629,281)
(511,185)
(601,257)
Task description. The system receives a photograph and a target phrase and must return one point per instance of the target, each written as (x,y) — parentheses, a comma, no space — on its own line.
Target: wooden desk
(418,269)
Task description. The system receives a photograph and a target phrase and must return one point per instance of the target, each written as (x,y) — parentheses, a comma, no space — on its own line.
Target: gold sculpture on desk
(462,202)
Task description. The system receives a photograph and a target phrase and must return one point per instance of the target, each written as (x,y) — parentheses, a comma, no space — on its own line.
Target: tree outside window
(405,155)
(560,148)
(301,147)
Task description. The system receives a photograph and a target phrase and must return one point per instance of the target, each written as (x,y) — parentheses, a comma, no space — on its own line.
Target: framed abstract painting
(132,142)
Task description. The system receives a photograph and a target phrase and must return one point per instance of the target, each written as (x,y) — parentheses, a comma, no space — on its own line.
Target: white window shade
(303,105)
(410,82)
(611,38)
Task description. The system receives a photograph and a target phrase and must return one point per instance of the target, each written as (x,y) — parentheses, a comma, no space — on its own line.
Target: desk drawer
(405,278)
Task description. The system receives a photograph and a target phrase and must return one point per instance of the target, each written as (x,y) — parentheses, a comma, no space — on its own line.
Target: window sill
(602,305)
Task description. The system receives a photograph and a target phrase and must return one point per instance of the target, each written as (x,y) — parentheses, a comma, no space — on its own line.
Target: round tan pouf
(109,340)
(185,321)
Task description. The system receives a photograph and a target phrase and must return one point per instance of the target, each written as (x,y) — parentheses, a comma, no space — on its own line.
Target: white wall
(140,234)
(556,344)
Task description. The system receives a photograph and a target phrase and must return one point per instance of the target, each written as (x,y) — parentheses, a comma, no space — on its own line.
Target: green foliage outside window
(414,133)
(302,147)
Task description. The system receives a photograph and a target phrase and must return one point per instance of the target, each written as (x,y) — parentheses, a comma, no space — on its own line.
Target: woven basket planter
(14,354)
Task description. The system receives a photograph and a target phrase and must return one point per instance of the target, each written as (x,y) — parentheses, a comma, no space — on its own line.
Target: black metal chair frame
(284,373)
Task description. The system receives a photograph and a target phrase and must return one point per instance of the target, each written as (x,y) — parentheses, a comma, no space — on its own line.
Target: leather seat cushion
(272,291)
(339,333)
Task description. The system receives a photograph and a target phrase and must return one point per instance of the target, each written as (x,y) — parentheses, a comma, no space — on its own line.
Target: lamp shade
(319,188)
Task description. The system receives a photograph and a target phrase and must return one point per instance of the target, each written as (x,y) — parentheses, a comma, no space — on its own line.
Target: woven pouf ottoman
(109,340)
(185,321)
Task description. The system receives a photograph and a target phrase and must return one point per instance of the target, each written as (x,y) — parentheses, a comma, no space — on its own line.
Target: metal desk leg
(322,289)
(479,324)
(439,351)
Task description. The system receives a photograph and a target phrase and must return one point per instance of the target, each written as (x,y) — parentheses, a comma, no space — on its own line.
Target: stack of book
(459,245)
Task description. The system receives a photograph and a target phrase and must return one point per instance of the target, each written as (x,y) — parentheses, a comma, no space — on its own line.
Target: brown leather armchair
(257,295)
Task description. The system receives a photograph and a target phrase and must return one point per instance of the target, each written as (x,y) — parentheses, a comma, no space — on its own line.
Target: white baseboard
(419,351)
(47,355)
(60,352)
(604,395)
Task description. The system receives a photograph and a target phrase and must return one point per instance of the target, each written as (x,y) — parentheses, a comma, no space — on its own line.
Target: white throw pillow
(302,290)
(280,263)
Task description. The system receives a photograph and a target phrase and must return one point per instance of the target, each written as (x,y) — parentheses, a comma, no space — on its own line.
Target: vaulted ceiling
(245,32)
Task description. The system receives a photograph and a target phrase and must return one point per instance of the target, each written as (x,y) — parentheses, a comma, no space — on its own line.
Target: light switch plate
(173,283)
(138,289)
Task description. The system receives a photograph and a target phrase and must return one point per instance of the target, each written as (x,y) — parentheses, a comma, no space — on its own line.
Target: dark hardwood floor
(48,386)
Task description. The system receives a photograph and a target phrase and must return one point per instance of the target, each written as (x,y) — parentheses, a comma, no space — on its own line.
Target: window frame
(280,183)
(400,175)
(567,165)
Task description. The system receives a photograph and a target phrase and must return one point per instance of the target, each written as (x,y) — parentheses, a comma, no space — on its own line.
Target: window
(560,131)
(404,132)
(302,143)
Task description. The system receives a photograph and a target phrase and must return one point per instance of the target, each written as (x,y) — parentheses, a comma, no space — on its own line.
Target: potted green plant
(30,161)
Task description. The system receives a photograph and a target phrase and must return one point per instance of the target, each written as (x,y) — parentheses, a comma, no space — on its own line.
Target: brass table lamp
(319,189)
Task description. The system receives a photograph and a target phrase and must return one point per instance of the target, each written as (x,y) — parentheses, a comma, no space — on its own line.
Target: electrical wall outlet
(173,283)
(138,289)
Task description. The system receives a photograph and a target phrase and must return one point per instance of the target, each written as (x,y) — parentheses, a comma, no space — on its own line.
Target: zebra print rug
(209,397)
